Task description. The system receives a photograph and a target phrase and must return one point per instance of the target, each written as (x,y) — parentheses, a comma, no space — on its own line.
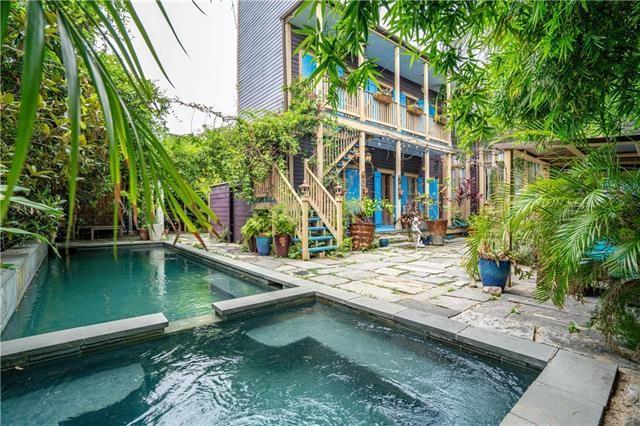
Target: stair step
(317,228)
(321,249)
(314,219)
(321,238)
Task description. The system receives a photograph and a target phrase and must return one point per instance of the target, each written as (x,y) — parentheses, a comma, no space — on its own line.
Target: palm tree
(79,26)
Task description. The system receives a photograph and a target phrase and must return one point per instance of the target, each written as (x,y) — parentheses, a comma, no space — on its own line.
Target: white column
(287,56)
(398,183)
(362,165)
(396,85)
(361,102)
(425,89)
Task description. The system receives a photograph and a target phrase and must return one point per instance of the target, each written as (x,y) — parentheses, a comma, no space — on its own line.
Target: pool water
(92,286)
(306,365)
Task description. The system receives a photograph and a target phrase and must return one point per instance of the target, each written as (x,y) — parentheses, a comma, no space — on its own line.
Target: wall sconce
(304,187)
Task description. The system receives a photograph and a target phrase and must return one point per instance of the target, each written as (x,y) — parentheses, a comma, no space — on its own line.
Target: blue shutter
(308,65)
(421,104)
(403,98)
(371,86)
(353,184)
(404,182)
(432,110)
(421,190)
(377,193)
(434,210)
(340,71)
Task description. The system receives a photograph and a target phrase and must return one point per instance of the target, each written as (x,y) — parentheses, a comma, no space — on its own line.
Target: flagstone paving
(432,279)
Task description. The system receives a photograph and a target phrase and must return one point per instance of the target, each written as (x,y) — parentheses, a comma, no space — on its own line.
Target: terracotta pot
(438,230)
(144,234)
(252,245)
(281,244)
(362,235)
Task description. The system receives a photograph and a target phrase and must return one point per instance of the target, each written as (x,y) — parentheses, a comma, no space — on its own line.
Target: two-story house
(396,146)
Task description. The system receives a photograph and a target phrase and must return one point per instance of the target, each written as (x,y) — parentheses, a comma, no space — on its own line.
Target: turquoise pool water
(91,286)
(306,365)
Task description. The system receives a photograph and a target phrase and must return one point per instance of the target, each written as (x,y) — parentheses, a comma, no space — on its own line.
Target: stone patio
(432,280)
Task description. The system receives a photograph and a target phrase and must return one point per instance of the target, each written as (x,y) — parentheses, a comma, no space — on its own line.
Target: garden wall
(14,282)
(231,210)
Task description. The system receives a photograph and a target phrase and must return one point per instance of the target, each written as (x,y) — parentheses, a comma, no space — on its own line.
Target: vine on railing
(284,194)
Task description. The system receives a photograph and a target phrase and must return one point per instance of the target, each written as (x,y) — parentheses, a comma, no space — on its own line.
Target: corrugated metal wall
(260,54)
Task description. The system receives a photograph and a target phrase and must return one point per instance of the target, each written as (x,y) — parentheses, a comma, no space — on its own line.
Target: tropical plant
(258,224)
(282,222)
(78,29)
(584,223)
(523,70)
(9,230)
(361,211)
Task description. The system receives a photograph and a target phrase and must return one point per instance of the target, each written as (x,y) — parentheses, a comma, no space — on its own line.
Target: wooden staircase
(317,213)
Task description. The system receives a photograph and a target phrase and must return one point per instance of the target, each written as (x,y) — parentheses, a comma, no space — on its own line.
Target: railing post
(304,232)
(320,150)
(339,215)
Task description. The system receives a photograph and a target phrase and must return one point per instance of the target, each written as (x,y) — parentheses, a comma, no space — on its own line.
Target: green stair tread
(321,249)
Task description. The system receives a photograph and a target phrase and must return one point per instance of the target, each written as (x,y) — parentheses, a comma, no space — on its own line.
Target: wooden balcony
(385,114)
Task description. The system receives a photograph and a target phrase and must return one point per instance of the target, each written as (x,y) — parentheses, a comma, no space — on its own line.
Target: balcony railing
(385,113)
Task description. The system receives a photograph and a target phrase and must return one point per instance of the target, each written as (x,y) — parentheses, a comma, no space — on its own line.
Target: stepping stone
(455,303)
(429,308)
(357,274)
(390,271)
(372,291)
(331,280)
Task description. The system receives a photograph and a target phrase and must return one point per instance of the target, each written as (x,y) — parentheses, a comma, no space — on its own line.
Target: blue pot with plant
(263,243)
(494,273)
(384,242)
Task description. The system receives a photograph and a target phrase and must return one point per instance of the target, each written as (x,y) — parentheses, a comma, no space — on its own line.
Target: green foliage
(566,217)
(363,210)
(282,222)
(258,224)
(528,70)
(106,130)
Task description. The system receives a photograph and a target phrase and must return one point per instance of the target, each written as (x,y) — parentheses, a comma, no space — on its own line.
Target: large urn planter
(438,230)
(264,245)
(281,244)
(362,234)
(494,273)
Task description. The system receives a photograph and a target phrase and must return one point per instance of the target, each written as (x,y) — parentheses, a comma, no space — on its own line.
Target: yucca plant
(80,28)
(584,223)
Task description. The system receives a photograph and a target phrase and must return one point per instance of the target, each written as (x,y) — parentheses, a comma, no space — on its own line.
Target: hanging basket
(414,109)
(440,119)
(383,97)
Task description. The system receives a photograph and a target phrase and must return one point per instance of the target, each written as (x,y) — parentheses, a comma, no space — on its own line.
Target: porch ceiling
(627,150)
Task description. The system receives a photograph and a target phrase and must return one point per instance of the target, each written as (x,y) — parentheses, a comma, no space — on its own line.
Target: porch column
(291,171)
(447,178)
(287,58)
(482,179)
(398,201)
(467,175)
(320,151)
(427,167)
(362,165)
(448,99)
(425,89)
(396,85)
(361,101)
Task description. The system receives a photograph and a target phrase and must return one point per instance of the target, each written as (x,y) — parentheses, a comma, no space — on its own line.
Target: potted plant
(361,227)
(284,227)
(489,254)
(414,109)
(257,223)
(383,96)
(438,227)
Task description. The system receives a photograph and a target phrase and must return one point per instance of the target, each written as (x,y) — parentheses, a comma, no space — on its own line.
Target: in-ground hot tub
(92,285)
(312,364)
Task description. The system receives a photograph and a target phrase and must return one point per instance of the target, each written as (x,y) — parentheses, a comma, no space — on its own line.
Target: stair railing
(334,152)
(296,208)
(326,207)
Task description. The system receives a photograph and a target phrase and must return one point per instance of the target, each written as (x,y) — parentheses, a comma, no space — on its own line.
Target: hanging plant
(383,96)
(414,109)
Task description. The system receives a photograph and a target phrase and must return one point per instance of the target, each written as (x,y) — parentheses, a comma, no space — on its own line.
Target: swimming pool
(307,365)
(91,286)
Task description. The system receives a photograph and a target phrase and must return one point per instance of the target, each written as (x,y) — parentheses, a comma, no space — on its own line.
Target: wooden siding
(260,54)
(220,204)
(241,212)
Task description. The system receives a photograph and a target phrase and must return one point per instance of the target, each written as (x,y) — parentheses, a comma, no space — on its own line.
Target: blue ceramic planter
(494,274)
(384,242)
(264,245)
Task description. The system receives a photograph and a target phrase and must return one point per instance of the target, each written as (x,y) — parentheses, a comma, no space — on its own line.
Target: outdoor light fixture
(304,187)
(339,190)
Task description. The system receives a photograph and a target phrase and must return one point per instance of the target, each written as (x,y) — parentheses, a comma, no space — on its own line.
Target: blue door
(377,193)
(434,210)
(421,190)
(404,184)
(352,177)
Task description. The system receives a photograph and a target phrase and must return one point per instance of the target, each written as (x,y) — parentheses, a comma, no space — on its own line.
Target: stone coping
(571,388)
(74,340)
